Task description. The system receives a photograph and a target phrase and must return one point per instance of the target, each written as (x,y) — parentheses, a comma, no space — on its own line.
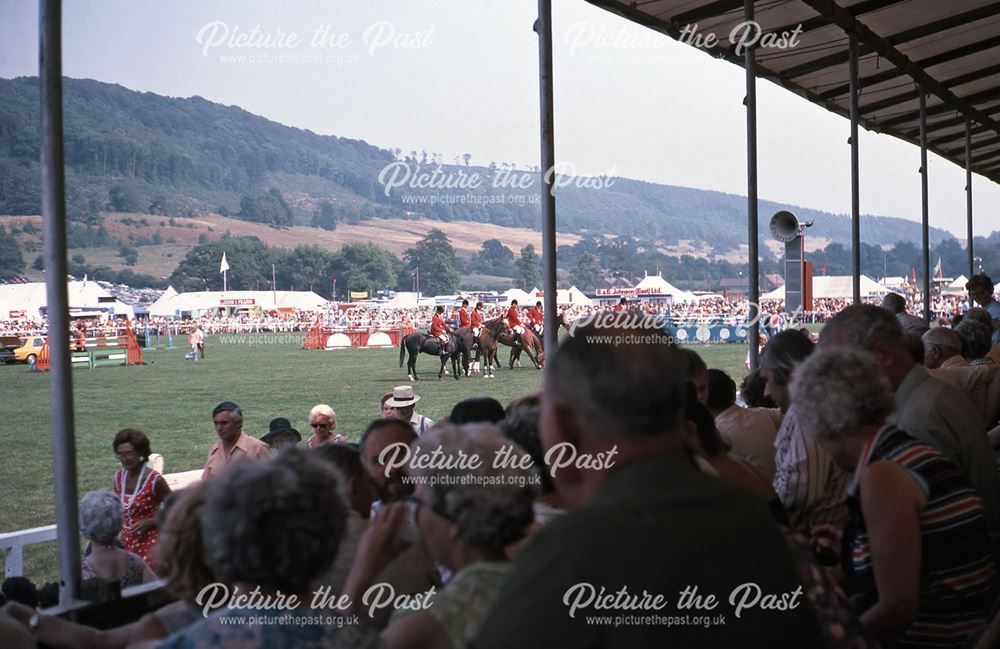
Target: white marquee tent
(834,286)
(85,298)
(172,303)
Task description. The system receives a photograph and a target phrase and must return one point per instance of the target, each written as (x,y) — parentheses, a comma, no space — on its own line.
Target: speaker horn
(785,226)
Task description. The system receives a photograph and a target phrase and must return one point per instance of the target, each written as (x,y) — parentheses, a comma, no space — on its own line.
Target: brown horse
(528,342)
(485,347)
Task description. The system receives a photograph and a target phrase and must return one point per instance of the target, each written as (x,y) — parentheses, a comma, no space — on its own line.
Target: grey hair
(322,409)
(275,523)
(835,392)
(631,388)
(494,508)
(100,515)
(864,326)
(976,338)
(944,339)
(979,314)
(236,414)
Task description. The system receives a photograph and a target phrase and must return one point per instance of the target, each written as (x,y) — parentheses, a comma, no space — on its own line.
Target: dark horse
(486,349)
(529,342)
(420,342)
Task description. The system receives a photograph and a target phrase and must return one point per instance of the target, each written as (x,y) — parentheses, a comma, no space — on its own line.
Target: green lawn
(171,399)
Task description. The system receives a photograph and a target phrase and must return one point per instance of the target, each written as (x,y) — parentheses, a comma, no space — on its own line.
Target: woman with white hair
(106,561)
(466,516)
(916,554)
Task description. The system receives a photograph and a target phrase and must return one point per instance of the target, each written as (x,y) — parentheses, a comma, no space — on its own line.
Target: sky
(456,77)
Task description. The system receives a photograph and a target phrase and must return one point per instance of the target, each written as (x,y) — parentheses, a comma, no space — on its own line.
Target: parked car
(7,346)
(29,350)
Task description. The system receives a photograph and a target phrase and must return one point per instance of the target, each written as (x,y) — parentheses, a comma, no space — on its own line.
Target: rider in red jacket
(440,329)
(463,315)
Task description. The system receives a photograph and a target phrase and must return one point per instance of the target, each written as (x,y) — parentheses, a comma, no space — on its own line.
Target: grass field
(171,399)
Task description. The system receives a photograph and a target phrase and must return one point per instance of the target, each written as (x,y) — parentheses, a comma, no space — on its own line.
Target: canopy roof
(833,286)
(949,47)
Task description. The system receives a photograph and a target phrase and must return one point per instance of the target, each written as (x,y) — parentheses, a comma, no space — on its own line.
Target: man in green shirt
(654,553)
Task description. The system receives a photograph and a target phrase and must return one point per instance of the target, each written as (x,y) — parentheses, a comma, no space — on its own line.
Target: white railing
(13,543)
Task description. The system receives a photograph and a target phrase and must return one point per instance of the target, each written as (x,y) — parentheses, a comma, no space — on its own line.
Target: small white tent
(663,287)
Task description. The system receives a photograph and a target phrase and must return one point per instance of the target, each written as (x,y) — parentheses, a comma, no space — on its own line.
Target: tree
(125,197)
(303,267)
(129,254)
(364,267)
(11,261)
(39,263)
(325,217)
(268,207)
(249,265)
(587,273)
(495,258)
(437,263)
(528,268)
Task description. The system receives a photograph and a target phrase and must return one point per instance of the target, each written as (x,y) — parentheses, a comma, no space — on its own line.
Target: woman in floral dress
(140,490)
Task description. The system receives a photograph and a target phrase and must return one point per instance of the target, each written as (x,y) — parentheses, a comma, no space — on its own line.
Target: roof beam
(920,31)
(910,95)
(707,11)
(946,106)
(929,62)
(982,143)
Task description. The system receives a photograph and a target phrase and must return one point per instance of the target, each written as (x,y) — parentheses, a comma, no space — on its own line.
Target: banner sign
(238,301)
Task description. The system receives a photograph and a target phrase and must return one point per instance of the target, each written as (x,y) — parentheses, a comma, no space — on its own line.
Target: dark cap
(278,426)
(225,406)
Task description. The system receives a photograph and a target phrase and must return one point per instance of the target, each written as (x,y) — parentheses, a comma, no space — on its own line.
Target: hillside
(132,152)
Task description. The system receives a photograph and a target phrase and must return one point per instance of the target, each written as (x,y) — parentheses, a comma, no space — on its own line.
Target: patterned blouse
(957,570)
(144,504)
(461,606)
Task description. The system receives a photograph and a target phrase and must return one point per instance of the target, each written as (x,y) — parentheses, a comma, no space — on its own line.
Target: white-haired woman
(100,523)
(917,558)
(323,421)
(466,518)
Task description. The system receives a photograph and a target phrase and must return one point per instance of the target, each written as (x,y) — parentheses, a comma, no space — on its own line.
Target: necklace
(127,500)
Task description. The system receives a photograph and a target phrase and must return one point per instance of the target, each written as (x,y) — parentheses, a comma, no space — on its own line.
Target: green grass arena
(171,399)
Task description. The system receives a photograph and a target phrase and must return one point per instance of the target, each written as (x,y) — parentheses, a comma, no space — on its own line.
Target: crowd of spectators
(852,480)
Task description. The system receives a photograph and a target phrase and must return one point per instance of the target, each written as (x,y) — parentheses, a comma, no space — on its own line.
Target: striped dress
(957,571)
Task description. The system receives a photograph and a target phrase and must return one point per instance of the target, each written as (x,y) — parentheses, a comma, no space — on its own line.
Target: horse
(420,342)
(529,342)
(487,347)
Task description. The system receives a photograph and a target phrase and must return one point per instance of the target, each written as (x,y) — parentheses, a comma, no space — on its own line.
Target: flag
(937,269)
(824,269)
(914,271)
(224,266)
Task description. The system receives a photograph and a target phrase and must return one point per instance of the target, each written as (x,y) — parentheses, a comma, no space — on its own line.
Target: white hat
(402,396)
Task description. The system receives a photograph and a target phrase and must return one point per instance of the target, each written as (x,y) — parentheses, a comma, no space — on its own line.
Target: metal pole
(753,332)
(543,27)
(57,299)
(968,193)
(274,288)
(855,192)
(924,219)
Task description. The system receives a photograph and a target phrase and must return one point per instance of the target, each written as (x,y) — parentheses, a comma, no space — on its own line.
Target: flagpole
(224,289)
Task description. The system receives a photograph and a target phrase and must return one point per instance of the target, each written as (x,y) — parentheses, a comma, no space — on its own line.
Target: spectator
(275,526)
(181,555)
(752,391)
(105,562)
(386,411)
(980,289)
(323,421)
(942,348)
(696,372)
(917,556)
(479,409)
(48,595)
(932,411)
(711,449)
(20,590)
(401,404)
(750,432)
(811,486)
(464,526)
(280,434)
(358,496)
(234,445)
(895,304)
(413,571)
(142,490)
(975,342)
(644,516)
(979,314)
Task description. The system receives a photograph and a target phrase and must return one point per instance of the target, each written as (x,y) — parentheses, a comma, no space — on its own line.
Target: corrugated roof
(951,47)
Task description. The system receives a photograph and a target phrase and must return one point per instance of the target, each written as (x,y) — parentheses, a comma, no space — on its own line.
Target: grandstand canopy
(949,48)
